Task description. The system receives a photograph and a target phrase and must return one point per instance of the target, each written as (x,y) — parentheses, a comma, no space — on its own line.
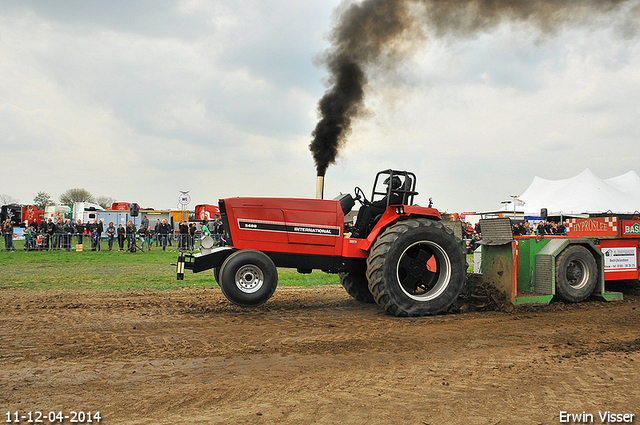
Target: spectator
(40,241)
(169,232)
(541,230)
(7,231)
(220,232)
(149,235)
(95,241)
(80,231)
(100,229)
(468,231)
(28,238)
(561,229)
(131,235)
(145,222)
(157,231)
(165,232)
(204,229)
(192,236)
(121,236)
(111,234)
(183,235)
(474,243)
(69,230)
(142,235)
(58,233)
(42,228)
(51,228)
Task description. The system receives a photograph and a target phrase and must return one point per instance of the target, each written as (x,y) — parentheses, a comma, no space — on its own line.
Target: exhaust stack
(320,187)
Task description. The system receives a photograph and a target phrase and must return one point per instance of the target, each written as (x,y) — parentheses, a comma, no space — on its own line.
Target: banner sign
(631,228)
(620,258)
(593,227)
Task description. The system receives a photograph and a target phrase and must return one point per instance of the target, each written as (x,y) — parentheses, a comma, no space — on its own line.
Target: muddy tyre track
(311,356)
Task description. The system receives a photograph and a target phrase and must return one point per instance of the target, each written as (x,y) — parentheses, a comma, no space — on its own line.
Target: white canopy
(584,193)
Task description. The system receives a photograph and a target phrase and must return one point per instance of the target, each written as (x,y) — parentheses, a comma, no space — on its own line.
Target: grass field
(114,270)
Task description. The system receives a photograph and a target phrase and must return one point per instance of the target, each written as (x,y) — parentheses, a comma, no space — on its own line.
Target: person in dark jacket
(69,230)
(131,234)
(58,233)
(192,236)
(7,231)
(80,232)
(165,232)
(100,229)
(111,234)
(121,235)
(368,212)
(183,235)
(156,229)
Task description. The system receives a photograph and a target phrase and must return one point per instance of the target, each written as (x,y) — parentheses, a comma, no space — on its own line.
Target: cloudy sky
(140,100)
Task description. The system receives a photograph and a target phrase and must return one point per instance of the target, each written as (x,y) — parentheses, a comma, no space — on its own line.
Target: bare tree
(72,196)
(7,199)
(105,201)
(42,200)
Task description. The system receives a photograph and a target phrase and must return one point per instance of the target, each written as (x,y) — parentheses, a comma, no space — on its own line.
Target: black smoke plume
(376,33)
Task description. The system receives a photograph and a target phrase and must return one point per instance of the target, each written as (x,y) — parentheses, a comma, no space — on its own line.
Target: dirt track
(312,356)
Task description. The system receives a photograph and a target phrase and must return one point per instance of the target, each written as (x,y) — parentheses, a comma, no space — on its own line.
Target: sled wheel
(248,278)
(356,285)
(576,273)
(416,267)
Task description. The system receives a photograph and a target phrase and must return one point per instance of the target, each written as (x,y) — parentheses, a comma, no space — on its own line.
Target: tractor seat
(346,202)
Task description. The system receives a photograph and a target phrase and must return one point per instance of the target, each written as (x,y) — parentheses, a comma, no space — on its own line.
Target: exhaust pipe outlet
(320,187)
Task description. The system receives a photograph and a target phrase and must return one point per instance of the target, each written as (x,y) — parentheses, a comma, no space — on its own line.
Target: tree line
(68,197)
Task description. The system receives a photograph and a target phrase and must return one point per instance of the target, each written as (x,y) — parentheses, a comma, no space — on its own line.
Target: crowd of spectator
(473,234)
(540,229)
(61,234)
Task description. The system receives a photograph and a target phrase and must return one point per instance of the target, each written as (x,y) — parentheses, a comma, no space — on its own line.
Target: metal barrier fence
(126,242)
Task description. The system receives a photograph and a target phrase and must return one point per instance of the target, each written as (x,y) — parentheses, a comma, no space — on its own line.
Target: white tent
(584,193)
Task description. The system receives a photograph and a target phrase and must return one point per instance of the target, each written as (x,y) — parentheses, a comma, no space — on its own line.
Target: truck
(407,261)
(19,215)
(572,267)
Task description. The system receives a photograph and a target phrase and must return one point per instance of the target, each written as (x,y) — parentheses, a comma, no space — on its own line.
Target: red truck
(407,261)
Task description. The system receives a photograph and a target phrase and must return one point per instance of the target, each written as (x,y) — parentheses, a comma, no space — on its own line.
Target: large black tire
(248,278)
(357,285)
(576,273)
(216,274)
(416,267)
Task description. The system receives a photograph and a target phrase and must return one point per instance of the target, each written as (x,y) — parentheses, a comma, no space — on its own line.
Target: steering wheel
(360,196)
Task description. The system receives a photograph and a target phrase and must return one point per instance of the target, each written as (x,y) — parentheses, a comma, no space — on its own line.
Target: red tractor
(405,260)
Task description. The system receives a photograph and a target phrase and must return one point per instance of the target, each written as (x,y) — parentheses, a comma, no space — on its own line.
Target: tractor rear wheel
(356,285)
(576,273)
(248,278)
(416,267)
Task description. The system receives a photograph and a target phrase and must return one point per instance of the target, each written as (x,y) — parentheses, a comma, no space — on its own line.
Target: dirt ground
(312,356)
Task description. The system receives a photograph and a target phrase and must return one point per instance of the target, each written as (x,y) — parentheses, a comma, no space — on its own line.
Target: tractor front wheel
(248,278)
(356,285)
(416,267)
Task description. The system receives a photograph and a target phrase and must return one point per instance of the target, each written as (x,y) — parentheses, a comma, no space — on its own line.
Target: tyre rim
(249,278)
(424,271)
(577,274)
